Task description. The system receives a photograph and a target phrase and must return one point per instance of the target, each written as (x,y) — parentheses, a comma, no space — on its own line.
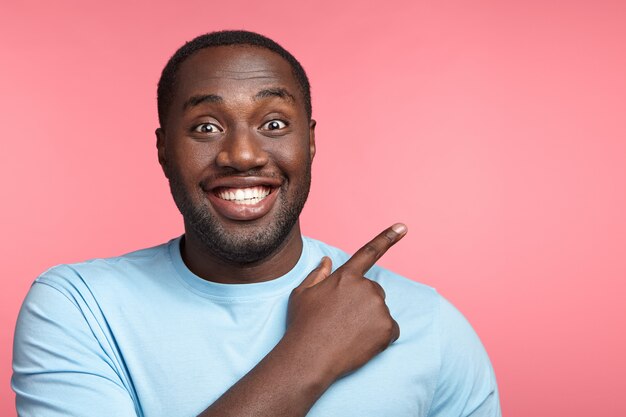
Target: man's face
(237,149)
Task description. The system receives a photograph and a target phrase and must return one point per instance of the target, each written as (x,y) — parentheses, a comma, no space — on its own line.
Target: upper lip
(242,182)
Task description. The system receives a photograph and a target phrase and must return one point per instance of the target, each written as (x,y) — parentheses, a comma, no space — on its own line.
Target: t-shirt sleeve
(466,384)
(60,367)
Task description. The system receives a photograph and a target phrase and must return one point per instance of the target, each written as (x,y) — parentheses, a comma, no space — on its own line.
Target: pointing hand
(341,319)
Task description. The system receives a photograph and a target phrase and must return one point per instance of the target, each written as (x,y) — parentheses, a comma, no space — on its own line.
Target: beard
(251,243)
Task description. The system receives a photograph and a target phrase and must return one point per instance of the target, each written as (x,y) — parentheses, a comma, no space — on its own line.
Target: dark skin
(241,143)
(336,322)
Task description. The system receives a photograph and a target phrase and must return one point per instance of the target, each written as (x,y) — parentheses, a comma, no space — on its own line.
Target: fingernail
(399,228)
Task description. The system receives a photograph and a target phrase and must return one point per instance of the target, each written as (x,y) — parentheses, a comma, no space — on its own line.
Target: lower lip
(242,212)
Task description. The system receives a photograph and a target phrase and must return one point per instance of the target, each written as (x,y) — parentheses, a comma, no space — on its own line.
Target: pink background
(497,132)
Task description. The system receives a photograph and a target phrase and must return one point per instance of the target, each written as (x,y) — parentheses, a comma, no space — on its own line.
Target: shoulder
(81,296)
(63,340)
(466,383)
(113,272)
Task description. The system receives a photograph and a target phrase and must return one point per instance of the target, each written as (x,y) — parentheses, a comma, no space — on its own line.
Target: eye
(274,125)
(207,128)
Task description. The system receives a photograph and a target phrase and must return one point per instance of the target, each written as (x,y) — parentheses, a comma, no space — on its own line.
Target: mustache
(231,173)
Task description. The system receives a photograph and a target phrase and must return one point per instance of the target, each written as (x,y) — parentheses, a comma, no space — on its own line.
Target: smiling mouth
(245,196)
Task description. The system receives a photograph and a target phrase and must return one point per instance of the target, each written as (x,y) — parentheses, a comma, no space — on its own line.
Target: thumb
(318,274)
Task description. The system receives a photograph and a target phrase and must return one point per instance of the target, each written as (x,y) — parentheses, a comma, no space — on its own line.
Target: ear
(312,125)
(160,144)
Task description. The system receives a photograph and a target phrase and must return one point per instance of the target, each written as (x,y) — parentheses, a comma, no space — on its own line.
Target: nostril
(242,154)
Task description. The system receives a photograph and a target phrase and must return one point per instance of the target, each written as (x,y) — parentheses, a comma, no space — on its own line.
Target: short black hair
(165,90)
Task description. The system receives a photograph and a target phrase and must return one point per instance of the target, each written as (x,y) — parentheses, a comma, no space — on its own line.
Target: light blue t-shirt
(141,335)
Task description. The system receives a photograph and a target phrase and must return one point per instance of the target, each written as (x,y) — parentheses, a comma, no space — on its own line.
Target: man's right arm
(336,323)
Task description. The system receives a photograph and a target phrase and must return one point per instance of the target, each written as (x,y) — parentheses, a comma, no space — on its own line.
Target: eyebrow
(275,92)
(200,99)
(214,98)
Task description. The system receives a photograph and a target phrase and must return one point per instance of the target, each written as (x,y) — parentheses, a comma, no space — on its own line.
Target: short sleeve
(466,384)
(60,368)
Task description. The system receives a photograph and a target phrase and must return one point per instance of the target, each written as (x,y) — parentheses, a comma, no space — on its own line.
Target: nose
(241,151)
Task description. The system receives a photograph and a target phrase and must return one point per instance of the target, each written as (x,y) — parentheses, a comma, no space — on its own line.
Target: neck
(206,265)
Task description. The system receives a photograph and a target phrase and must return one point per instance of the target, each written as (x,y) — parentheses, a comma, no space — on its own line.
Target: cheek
(293,164)
(293,153)
(191,160)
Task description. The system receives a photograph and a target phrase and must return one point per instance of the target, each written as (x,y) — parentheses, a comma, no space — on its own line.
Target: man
(242,316)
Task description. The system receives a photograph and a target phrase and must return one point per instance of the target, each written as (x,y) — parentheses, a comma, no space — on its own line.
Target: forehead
(231,70)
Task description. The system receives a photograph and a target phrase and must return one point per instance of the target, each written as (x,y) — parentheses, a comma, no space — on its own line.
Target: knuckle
(389,236)
(370,249)
(396,331)
(378,288)
(390,329)
(341,273)
(379,293)
(346,272)
(387,333)
(380,304)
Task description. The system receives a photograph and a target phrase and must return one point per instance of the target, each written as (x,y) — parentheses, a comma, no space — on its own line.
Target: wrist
(309,361)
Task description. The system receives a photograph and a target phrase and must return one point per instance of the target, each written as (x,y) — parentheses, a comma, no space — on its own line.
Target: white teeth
(247,196)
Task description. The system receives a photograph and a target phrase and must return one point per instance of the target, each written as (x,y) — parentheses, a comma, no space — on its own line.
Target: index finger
(367,256)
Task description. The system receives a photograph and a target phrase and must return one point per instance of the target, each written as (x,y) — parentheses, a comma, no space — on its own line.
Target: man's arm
(336,323)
